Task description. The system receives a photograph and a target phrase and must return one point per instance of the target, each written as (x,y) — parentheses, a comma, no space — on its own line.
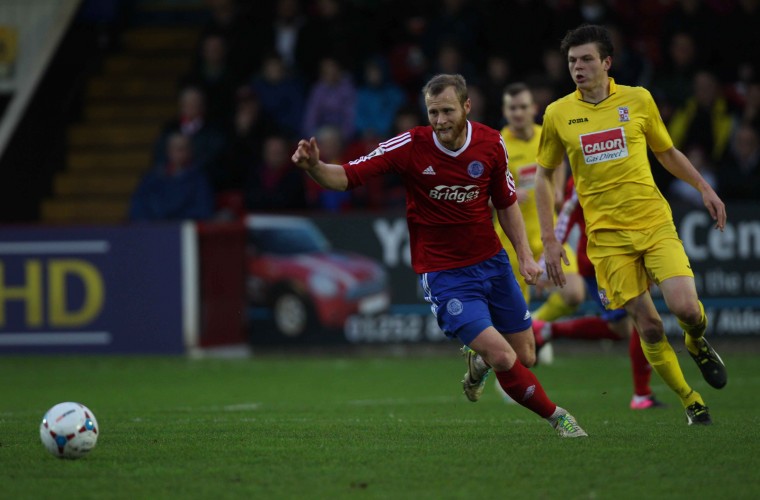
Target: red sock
(588,328)
(525,389)
(642,372)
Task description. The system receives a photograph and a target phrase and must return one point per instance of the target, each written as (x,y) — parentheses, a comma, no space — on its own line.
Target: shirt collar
(458,151)
(613,89)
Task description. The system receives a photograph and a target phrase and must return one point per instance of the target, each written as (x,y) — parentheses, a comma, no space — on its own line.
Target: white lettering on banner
(392,328)
(723,321)
(719,282)
(738,322)
(393,236)
(752,283)
(737,241)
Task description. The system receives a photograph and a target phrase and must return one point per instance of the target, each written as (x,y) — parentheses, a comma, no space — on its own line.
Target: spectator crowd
(269,72)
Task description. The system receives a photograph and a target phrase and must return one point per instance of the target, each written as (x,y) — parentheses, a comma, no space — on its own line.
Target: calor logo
(604,146)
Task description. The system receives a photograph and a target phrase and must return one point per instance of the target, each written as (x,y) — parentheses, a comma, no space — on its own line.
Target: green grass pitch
(345,426)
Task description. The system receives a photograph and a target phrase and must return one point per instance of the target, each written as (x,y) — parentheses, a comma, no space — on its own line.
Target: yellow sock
(554,307)
(663,359)
(694,332)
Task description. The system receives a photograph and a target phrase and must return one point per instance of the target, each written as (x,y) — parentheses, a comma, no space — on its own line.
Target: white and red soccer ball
(69,430)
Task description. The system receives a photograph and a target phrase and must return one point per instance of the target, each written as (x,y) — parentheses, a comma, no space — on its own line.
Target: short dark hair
(588,33)
(439,83)
(516,88)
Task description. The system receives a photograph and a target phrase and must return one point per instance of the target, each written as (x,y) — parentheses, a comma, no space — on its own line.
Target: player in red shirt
(614,324)
(451,169)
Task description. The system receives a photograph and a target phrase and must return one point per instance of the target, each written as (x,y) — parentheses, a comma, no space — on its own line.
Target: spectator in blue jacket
(377,100)
(175,189)
(282,94)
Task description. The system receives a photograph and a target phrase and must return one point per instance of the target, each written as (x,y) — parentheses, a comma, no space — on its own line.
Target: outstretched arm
(679,165)
(327,175)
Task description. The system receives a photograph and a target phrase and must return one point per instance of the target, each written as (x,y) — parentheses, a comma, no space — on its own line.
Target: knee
(500,360)
(574,298)
(574,292)
(528,359)
(651,330)
(689,314)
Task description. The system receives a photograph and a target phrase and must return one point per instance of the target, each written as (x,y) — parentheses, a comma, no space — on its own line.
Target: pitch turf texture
(369,427)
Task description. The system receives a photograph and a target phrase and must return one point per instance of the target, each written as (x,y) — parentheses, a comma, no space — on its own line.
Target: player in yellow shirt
(605,129)
(521,135)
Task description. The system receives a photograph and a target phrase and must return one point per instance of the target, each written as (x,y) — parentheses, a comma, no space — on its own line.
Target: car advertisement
(726,267)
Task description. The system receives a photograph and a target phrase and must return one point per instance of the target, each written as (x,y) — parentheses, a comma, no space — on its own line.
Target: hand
(554,255)
(307,154)
(716,207)
(530,271)
(543,283)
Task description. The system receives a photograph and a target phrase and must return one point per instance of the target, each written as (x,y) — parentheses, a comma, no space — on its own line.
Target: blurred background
(148,202)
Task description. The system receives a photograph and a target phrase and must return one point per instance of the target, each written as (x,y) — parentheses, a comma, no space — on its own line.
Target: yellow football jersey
(606,144)
(523,167)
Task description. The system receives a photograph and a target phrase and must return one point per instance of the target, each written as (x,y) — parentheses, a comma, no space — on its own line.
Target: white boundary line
(54,247)
(55,338)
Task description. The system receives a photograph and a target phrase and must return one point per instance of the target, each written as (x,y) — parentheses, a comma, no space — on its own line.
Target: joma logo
(573,121)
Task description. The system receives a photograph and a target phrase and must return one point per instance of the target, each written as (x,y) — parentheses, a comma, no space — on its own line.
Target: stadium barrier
(157,289)
(171,288)
(726,267)
(221,252)
(95,289)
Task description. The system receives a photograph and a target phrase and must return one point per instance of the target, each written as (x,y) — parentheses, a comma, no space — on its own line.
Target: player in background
(605,129)
(613,325)
(451,169)
(521,135)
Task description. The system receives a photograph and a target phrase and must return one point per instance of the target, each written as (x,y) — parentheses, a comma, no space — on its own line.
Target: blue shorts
(611,315)
(467,300)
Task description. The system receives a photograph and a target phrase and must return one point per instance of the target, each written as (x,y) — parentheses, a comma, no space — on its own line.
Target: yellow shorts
(524,287)
(628,262)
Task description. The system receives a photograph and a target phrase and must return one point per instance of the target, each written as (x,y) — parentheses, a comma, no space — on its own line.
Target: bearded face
(448,117)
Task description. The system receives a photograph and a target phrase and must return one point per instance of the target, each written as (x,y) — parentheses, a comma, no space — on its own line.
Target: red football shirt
(447,193)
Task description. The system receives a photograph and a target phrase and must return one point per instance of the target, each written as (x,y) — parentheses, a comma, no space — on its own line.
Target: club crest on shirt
(475,169)
(603,297)
(455,307)
(605,145)
(623,113)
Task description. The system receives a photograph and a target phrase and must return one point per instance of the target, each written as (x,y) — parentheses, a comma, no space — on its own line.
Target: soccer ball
(69,430)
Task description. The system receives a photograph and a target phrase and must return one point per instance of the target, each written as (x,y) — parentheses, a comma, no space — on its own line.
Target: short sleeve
(658,138)
(551,151)
(503,190)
